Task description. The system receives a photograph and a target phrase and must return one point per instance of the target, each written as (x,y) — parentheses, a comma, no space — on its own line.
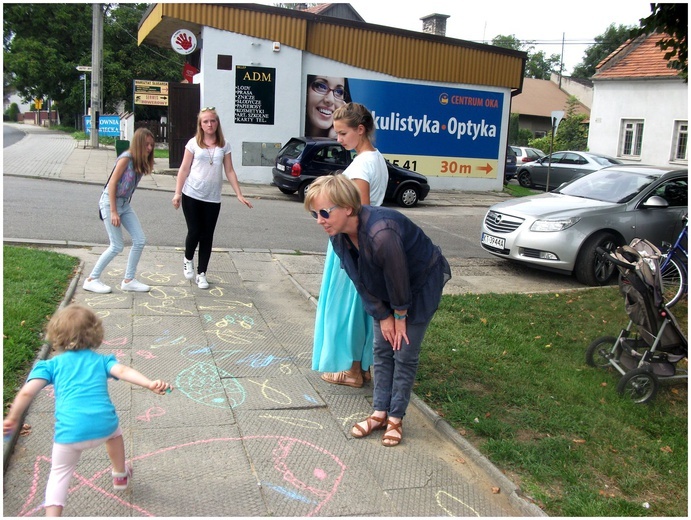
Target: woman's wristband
(399,316)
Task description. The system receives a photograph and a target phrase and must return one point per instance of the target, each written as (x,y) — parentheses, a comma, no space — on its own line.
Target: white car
(560,231)
(525,154)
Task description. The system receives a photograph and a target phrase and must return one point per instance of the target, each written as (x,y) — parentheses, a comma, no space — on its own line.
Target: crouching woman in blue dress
(399,274)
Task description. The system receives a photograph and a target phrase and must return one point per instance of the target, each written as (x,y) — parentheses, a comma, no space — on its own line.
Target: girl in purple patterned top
(117,213)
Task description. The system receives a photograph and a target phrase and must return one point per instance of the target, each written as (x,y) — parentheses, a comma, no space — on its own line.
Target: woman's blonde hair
(339,189)
(220,140)
(354,115)
(75,327)
(143,162)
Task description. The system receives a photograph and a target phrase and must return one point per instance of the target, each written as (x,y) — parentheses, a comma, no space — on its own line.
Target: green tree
(44,43)
(672,19)
(538,65)
(605,44)
(572,133)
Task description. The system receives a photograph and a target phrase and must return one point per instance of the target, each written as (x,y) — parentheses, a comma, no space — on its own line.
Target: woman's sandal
(390,440)
(366,376)
(342,378)
(373,423)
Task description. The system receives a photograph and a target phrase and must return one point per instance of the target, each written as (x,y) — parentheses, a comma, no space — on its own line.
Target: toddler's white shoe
(135,286)
(188,268)
(96,285)
(201,281)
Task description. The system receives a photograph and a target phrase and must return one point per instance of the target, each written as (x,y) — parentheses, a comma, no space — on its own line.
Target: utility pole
(97,70)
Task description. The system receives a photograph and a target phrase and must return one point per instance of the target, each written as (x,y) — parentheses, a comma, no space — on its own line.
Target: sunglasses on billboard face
(323,213)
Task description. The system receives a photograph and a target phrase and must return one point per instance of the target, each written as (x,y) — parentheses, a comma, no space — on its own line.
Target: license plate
(281,167)
(491,241)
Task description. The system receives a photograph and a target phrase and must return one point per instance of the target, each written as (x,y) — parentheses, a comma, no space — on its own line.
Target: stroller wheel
(601,351)
(640,385)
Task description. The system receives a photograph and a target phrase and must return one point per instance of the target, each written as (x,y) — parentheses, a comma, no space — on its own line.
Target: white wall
(217,88)
(658,103)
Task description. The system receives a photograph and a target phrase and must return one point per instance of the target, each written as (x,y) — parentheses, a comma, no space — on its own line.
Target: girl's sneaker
(188,268)
(135,286)
(97,286)
(201,281)
(122,480)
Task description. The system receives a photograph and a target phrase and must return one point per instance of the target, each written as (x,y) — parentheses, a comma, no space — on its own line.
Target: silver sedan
(553,170)
(561,230)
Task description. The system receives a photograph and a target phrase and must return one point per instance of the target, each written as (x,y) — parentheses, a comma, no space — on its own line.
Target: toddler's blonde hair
(75,327)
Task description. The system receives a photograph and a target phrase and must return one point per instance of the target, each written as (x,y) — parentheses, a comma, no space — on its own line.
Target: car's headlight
(558,224)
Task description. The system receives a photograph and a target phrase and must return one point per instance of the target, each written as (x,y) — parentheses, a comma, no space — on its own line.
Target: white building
(640,107)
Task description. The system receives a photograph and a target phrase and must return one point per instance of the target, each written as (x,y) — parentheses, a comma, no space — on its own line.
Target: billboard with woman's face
(324,95)
(436,130)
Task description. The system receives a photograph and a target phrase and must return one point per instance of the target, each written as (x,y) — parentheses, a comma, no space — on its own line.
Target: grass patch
(516,190)
(34,284)
(509,372)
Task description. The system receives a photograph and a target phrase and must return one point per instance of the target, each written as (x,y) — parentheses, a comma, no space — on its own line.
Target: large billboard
(438,131)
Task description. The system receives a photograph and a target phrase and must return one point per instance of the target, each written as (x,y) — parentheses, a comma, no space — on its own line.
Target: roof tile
(639,58)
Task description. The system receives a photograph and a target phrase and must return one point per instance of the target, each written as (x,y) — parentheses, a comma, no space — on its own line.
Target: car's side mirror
(655,202)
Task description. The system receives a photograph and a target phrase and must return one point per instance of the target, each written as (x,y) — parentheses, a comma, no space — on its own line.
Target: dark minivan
(303,159)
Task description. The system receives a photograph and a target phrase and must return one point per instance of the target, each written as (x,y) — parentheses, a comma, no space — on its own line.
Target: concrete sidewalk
(250,429)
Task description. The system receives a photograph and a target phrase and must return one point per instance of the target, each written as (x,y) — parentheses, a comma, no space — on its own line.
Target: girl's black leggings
(201,218)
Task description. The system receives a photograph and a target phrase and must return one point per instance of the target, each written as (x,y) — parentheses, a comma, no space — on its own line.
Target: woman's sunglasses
(323,213)
(323,89)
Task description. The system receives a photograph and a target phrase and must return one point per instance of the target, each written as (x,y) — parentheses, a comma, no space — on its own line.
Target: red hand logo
(184,41)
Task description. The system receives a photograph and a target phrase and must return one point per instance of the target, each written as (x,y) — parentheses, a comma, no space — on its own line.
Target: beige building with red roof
(534,105)
(640,106)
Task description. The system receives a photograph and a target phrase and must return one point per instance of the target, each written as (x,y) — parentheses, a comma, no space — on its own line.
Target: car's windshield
(608,185)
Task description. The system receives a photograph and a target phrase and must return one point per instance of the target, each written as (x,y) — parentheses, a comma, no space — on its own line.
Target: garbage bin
(120,146)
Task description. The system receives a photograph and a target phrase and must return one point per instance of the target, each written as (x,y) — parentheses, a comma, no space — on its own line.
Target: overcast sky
(540,21)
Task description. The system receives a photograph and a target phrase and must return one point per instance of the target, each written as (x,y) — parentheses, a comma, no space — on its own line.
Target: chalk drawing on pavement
(211,386)
(450,505)
(312,485)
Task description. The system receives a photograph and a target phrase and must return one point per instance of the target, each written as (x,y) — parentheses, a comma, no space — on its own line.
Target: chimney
(434,24)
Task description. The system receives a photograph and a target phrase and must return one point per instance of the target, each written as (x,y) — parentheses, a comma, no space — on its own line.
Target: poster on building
(255,95)
(435,130)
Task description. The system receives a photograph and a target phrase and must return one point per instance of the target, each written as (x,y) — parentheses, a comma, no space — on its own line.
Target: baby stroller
(647,351)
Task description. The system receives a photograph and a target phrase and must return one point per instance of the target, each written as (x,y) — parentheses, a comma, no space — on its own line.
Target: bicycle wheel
(673,282)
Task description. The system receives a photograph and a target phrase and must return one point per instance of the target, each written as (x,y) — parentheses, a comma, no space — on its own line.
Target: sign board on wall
(438,131)
(150,92)
(107,125)
(255,95)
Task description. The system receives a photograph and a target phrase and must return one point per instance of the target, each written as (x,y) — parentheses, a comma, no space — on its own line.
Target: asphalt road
(54,210)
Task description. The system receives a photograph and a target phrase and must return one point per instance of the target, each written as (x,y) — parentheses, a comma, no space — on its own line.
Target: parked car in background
(563,167)
(561,230)
(525,154)
(510,167)
(303,159)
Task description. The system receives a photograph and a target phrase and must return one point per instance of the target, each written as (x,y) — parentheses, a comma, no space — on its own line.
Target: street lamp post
(85,69)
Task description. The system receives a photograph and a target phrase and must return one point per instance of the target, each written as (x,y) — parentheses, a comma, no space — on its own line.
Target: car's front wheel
(407,197)
(592,268)
(525,180)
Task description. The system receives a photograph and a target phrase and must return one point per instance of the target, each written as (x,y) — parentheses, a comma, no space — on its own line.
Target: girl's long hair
(143,162)
(220,140)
